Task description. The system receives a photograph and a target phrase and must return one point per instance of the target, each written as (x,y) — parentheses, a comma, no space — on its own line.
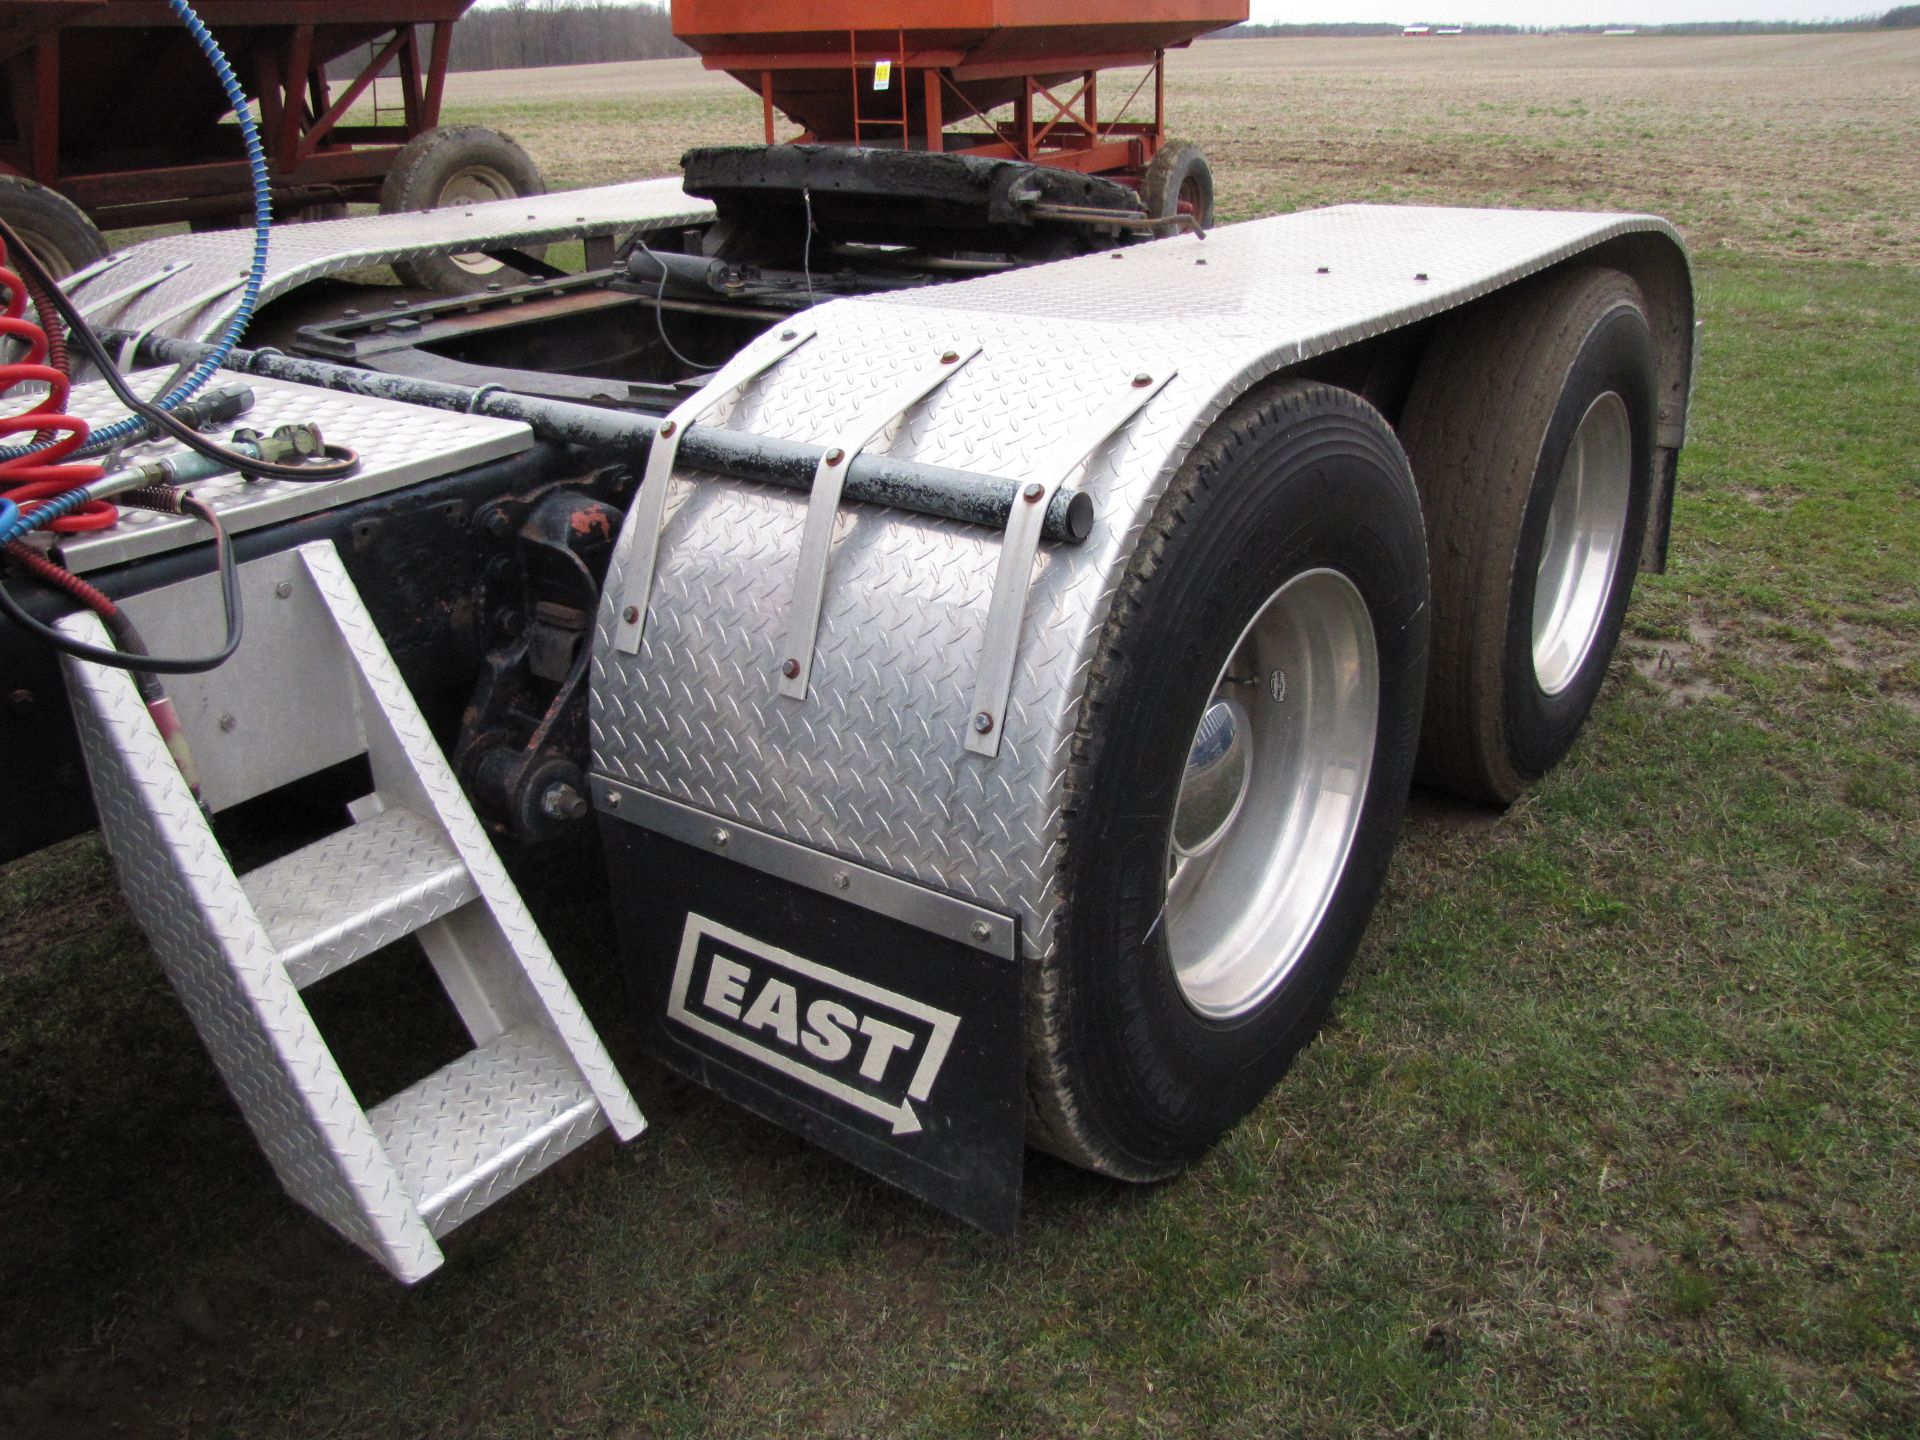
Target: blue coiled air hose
(262,223)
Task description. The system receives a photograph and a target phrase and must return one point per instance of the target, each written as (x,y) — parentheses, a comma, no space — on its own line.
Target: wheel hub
(1586,531)
(1271,795)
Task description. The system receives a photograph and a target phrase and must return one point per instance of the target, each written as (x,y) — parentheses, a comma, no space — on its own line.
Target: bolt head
(1324,270)
(952,357)
(1033,492)
(283,589)
(841,880)
(666,430)
(613,800)
(983,723)
(1142,380)
(980,931)
(560,801)
(229,722)
(721,836)
(790,669)
(1421,277)
(631,615)
(789,334)
(836,455)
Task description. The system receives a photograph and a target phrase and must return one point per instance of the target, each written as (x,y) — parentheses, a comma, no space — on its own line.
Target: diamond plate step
(539,1081)
(357,890)
(470,1132)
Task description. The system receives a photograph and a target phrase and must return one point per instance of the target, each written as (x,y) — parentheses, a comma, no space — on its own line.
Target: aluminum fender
(873,764)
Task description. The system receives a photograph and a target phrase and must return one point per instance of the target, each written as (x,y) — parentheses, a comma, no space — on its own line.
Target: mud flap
(891,1046)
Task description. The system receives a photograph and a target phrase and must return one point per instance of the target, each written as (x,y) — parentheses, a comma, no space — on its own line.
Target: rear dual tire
(1531,433)
(1278,601)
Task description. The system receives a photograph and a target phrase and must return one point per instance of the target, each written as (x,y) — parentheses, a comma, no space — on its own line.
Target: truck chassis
(994,697)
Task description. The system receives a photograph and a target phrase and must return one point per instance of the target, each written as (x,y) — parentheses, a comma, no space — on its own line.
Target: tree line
(528,33)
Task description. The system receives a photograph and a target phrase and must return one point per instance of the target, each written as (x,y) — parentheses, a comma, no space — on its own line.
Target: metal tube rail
(874,479)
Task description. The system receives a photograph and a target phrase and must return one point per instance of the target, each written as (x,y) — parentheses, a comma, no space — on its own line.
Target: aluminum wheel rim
(1275,782)
(475,185)
(1586,530)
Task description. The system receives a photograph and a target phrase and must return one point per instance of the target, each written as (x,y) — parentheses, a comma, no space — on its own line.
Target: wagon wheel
(1179,181)
(457,165)
(56,230)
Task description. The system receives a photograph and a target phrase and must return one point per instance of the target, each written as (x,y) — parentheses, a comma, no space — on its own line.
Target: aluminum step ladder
(311,685)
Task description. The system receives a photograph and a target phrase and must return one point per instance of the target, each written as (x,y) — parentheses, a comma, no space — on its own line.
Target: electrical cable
(155,664)
(339,462)
(660,311)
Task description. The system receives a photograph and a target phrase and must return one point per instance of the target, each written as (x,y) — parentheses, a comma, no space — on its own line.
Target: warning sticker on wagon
(867,1047)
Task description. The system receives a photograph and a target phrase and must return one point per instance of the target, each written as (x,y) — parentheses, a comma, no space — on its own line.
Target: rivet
(983,723)
(841,880)
(836,455)
(666,430)
(720,838)
(791,669)
(631,614)
(952,357)
(227,722)
(283,589)
(980,931)
(1140,382)
(1034,491)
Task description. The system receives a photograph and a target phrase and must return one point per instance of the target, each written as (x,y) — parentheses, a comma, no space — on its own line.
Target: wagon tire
(1179,177)
(1252,710)
(457,165)
(55,229)
(1531,429)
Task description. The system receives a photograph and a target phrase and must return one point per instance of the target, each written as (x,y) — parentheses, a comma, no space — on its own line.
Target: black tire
(1179,173)
(1489,425)
(55,229)
(456,165)
(1125,1075)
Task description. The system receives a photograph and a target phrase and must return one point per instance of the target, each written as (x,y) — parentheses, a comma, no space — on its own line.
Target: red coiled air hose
(46,473)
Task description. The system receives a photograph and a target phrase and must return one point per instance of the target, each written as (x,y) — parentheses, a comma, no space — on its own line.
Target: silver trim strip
(947,916)
(650,505)
(993,682)
(823,504)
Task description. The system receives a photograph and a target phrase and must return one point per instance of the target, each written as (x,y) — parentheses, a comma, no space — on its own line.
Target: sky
(1557,12)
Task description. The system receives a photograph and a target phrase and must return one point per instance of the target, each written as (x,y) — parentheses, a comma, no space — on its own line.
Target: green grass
(1615,1131)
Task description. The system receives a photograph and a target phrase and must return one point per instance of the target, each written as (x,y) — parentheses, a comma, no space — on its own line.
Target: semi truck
(983,618)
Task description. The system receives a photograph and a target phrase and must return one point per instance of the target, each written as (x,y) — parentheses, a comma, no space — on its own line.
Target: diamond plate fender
(874,765)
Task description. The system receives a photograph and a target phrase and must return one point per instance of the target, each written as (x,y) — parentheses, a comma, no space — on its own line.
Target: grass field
(1616,1132)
